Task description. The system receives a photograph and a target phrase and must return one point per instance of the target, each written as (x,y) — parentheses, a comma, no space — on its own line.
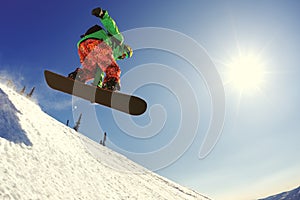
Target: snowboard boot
(77,75)
(112,84)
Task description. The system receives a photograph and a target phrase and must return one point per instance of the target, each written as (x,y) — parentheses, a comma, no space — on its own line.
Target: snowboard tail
(123,102)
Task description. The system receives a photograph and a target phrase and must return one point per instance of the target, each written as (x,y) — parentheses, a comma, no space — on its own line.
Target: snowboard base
(123,102)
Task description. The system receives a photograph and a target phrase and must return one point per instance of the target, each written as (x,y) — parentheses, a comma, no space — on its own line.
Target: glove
(98,12)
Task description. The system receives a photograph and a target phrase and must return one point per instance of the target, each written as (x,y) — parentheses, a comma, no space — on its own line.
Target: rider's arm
(111,27)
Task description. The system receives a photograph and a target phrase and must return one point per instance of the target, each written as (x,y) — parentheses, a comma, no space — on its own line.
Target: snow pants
(94,54)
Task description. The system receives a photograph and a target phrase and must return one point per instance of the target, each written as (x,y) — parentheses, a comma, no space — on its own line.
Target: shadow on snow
(10,128)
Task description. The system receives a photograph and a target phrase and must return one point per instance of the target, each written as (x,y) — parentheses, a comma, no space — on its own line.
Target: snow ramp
(42,158)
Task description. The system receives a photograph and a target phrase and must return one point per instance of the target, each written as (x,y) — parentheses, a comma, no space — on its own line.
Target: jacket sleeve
(111,27)
(122,51)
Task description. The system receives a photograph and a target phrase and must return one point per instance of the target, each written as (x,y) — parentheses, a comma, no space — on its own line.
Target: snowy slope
(290,195)
(41,158)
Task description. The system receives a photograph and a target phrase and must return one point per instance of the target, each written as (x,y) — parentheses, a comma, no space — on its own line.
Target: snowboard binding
(112,85)
(77,75)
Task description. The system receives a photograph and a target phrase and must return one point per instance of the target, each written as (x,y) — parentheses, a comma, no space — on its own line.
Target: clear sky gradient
(258,152)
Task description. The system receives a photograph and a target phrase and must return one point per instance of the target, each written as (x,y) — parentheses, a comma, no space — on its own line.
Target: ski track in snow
(42,158)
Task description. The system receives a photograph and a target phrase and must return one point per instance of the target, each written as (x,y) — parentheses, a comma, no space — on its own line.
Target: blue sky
(257,153)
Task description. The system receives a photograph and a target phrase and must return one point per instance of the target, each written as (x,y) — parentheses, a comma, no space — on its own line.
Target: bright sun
(246,73)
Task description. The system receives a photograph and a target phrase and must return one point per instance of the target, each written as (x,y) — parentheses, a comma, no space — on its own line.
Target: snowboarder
(98,51)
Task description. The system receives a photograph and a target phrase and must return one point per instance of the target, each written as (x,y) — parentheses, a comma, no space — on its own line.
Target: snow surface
(42,158)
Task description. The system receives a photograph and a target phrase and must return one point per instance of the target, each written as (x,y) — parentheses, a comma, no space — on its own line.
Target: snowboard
(122,102)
